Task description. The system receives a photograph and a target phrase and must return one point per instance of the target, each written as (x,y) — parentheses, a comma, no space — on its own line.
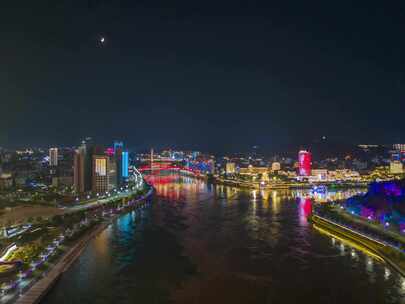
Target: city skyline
(202,152)
(233,75)
(95,197)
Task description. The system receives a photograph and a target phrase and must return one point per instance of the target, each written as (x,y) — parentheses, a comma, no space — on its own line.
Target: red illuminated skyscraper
(304,161)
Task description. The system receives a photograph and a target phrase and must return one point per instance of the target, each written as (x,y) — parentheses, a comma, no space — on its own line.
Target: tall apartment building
(53,157)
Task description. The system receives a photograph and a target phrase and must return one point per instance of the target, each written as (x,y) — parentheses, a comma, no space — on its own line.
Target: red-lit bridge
(152,173)
(158,167)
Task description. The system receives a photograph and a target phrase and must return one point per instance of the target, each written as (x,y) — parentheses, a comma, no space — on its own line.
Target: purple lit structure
(384,202)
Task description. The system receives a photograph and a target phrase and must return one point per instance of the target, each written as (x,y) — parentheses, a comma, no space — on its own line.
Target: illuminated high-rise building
(118,145)
(100,174)
(275,167)
(109,151)
(88,149)
(78,171)
(230,168)
(124,164)
(304,163)
(399,147)
(112,173)
(398,153)
(53,157)
(83,166)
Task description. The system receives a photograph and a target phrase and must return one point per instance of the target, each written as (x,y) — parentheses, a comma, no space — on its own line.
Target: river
(200,243)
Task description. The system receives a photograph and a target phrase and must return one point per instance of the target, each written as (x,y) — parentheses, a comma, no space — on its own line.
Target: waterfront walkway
(375,246)
(40,288)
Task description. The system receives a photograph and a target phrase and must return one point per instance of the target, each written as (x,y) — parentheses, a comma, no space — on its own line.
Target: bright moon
(102,40)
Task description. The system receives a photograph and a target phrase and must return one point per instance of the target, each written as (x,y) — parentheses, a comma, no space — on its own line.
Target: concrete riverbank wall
(374,246)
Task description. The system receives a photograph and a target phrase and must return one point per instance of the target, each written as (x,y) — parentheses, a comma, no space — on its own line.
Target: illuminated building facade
(399,147)
(230,168)
(82,166)
(253,170)
(112,173)
(118,145)
(396,167)
(275,167)
(78,171)
(6,181)
(319,175)
(100,174)
(398,153)
(109,151)
(53,157)
(124,164)
(304,163)
(88,149)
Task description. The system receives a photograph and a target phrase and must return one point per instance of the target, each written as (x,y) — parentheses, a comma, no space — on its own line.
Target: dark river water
(198,243)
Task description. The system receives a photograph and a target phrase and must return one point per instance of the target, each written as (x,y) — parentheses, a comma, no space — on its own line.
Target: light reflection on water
(201,243)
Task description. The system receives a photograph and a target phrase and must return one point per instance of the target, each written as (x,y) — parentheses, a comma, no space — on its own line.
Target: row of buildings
(304,166)
(31,168)
(95,169)
(303,169)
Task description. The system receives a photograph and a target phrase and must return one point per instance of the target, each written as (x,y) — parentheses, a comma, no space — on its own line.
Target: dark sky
(212,75)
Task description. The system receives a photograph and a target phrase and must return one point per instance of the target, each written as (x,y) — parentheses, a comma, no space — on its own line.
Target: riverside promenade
(40,288)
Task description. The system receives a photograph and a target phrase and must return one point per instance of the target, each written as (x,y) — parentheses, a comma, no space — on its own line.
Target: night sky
(210,75)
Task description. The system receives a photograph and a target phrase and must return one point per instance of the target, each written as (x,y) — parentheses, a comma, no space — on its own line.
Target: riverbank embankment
(40,288)
(376,247)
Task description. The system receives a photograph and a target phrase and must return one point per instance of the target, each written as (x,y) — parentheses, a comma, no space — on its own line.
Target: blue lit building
(124,164)
(118,145)
(122,159)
